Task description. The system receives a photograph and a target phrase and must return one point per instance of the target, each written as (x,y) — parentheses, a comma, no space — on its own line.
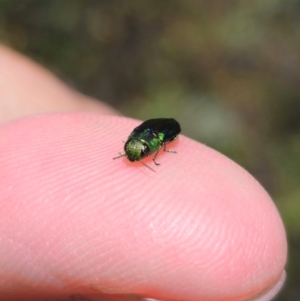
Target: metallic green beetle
(150,137)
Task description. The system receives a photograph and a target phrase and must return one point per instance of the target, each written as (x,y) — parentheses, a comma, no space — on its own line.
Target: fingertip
(200,215)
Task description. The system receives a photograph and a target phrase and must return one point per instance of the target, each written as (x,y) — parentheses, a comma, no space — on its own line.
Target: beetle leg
(168,151)
(155,157)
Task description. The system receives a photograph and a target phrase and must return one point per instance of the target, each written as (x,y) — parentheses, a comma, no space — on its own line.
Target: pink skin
(75,222)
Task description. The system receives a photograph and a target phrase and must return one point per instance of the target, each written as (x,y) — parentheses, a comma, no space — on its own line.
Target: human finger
(28,89)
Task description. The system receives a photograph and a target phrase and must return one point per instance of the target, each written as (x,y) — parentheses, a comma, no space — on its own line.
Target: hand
(76,223)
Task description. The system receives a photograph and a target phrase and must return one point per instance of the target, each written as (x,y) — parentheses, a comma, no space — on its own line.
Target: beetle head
(136,149)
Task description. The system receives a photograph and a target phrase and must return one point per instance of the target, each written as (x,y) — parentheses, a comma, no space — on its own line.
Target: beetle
(150,137)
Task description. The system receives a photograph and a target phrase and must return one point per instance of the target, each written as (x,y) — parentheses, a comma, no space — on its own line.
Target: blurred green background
(229,71)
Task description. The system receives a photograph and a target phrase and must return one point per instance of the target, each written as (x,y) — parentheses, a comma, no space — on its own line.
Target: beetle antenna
(121,155)
(147,166)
